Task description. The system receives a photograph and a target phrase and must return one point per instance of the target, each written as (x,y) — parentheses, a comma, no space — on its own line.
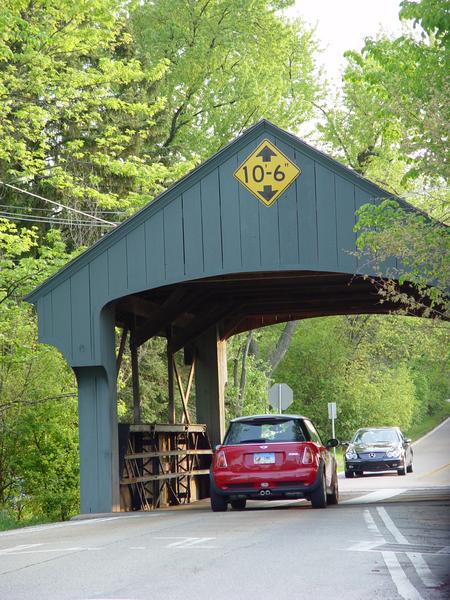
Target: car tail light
(221,460)
(308,457)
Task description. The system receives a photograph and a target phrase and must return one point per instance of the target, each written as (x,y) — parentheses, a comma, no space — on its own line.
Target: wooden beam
(163,476)
(176,304)
(200,325)
(137,306)
(184,394)
(162,453)
(123,340)
(257,321)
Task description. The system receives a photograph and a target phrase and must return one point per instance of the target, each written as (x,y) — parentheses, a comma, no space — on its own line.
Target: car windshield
(376,436)
(265,430)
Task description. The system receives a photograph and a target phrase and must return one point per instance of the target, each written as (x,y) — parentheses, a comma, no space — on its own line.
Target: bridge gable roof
(288,143)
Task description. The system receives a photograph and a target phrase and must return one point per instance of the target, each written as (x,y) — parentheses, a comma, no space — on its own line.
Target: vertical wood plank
(117,269)
(154,248)
(389,266)
(136,258)
(362,197)
(98,278)
(306,211)
(62,322)
(192,227)
(173,239)
(287,215)
(345,219)
(212,238)
(269,230)
(326,216)
(45,321)
(230,215)
(249,213)
(80,315)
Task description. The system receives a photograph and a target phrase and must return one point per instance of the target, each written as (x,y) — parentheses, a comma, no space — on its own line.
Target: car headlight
(351,454)
(393,453)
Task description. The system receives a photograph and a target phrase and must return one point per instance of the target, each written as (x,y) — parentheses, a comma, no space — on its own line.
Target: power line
(35,208)
(36,219)
(111,224)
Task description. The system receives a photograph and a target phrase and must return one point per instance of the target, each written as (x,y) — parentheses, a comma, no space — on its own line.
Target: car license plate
(264,458)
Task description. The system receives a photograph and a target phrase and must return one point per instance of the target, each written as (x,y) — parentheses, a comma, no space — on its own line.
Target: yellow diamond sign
(267,172)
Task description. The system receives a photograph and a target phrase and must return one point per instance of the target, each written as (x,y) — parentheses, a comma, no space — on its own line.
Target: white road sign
(281,396)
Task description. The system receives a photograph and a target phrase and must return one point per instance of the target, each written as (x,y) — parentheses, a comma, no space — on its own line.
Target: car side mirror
(332,443)
(408,440)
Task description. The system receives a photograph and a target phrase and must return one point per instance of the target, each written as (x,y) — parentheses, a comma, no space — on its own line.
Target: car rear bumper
(281,490)
(389,464)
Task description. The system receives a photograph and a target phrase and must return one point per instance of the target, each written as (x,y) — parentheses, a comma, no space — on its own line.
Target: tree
(78,112)
(423,248)
(229,63)
(393,122)
(393,127)
(38,431)
(380,370)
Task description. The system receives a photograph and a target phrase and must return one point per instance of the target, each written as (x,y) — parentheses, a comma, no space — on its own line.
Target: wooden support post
(170,381)
(184,394)
(123,340)
(135,382)
(210,380)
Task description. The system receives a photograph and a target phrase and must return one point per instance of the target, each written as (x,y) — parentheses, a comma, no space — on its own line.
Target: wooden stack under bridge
(163,465)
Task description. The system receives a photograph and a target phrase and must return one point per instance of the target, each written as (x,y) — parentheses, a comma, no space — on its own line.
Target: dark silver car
(378,449)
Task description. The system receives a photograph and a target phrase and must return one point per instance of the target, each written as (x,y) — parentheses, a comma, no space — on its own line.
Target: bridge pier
(210,380)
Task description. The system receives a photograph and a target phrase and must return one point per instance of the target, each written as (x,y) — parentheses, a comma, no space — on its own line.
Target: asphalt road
(388,539)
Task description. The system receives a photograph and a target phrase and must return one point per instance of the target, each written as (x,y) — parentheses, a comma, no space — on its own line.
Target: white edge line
(417,560)
(423,570)
(398,536)
(374,496)
(431,432)
(47,526)
(404,587)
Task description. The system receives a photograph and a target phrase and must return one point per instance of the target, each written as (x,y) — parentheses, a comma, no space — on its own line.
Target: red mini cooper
(273,457)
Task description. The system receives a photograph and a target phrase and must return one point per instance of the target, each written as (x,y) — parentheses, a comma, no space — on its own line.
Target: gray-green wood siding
(209,225)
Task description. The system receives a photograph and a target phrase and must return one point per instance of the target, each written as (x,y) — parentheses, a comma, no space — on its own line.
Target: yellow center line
(430,473)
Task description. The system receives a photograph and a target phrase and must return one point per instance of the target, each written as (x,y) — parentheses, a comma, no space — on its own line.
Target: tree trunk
(282,346)
(243,374)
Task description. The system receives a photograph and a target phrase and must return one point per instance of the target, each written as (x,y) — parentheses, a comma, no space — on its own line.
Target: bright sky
(343,24)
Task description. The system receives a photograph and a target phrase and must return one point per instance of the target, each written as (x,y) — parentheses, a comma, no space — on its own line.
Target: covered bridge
(260,233)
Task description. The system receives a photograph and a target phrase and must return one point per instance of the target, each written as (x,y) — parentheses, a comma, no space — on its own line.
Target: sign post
(281,396)
(332,415)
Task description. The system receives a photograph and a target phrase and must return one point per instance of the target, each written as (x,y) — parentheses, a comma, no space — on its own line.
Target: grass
(8,521)
(429,423)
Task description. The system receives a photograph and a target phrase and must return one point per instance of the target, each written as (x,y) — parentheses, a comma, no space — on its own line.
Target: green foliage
(378,370)
(229,63)
(38,432)
(78,111)
(153,384)
(432,15)
(421,245)
(104,104)
(393,123)
(393,127)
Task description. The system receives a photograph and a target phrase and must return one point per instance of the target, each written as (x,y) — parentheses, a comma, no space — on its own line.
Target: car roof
(377,428)
(267,416)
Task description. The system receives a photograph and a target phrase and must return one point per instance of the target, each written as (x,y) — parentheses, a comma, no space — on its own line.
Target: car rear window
(263,431)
